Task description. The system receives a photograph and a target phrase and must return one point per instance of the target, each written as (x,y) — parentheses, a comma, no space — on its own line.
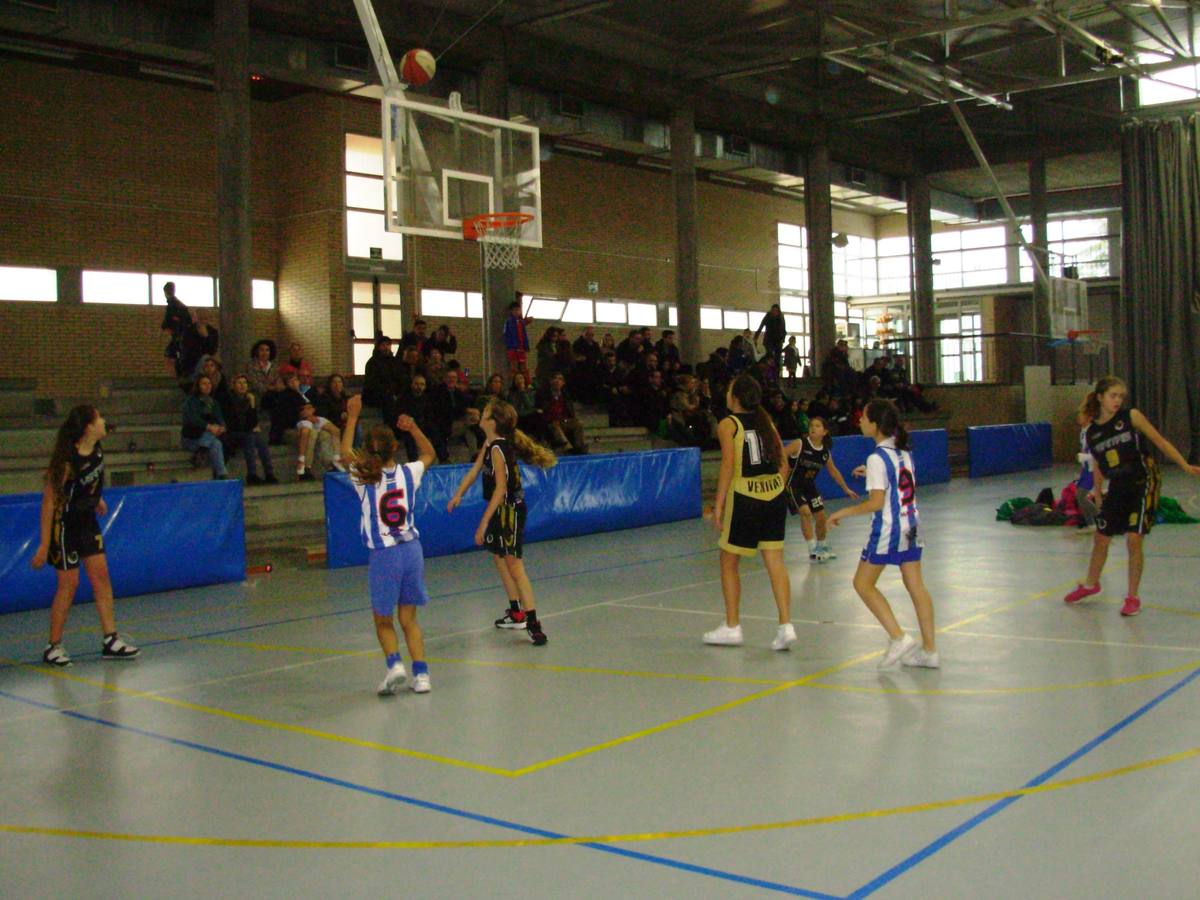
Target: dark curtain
(1160,296)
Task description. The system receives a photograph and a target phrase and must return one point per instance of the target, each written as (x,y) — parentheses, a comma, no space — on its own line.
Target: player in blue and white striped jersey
(396,563)
(894,539)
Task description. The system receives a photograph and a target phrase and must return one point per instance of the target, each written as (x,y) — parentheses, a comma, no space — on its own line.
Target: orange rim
(475,227)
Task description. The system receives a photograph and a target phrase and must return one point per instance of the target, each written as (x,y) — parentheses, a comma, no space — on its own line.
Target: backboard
(1068,306)
(442,165)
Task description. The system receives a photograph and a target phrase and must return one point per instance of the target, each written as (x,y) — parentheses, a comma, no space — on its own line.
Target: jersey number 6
(392,509)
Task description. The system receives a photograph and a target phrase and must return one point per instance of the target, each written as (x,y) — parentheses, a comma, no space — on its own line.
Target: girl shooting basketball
(751,509)
(809,455)
(396,563)
(70,534)
(502,528)
(894,539)
(1119,441)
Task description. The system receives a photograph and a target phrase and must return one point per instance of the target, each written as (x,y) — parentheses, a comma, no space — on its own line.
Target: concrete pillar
(1041,242)
(499,285)
(231,56)
(687,258)
(818,220)
(920,235)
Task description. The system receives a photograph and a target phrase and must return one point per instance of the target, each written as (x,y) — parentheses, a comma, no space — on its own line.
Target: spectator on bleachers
(203,425)
(446,412)
(690,422)
(629,351)
(740,356)
(415,403)
(521,397)
(406,368)
(558,412)
(612,389)
(244,432)
(176,318)
(444,341)
(298,364)
(783,414)
(262,371)
(838,377)
(211,366)
(775,327)
(647,364)
(433,367)
(285,408)
(379,378)
(546,347)
(587,348)
(608,343)
(317,439)
(667,349)
(652,401)
(516,338)
(564,356)
(416,338)
(791,361)
(330,400)
(198,339)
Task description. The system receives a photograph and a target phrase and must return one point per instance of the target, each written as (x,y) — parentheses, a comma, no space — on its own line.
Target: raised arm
(467,480)
(1142,424)
(425,451)
(353,410)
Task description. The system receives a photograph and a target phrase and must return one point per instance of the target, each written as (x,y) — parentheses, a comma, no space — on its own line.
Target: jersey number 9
(908,487)
(392,510)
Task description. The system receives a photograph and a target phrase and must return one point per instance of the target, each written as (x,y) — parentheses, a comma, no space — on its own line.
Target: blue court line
(429,805)
(954,834)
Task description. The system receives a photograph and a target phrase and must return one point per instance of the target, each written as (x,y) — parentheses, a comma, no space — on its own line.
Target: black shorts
(505,534)
(804,493)
(73,540)
(1129,507)
(752,524)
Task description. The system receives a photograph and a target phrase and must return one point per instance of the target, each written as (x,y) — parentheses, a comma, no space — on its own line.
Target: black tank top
(85,482)
(514,493)
(810,462)
(1118,447)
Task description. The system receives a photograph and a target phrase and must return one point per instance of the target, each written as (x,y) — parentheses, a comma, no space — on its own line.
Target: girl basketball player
(396,563)
(894,539)
(502,528)
(751,509)
(1118,439)
(809,456)
(70,534)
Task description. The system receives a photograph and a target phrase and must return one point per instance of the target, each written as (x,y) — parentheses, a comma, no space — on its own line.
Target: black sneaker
(270,479)
(56,655)
(115,648)
(511,619)
(536,635)
(253,479)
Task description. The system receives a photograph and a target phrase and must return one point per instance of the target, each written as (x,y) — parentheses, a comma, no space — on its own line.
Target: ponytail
(1090,408)
(747,392)
(70,433)
(528,450)
(378,451)
(886,418)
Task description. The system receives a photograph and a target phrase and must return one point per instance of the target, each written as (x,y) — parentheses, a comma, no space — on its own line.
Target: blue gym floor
(1055,754)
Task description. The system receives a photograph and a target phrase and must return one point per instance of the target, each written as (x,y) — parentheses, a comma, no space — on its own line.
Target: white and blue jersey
(387,507)
(396,564)
(895,536)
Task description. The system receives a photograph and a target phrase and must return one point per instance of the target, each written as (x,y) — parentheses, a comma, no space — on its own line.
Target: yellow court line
(836,819)
(267,723)
(1004,608)
(1171,609)
(619,673)
(1034,689)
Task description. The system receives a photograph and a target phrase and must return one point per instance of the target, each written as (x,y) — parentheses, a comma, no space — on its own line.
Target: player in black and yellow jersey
(808,456)
(70,534)
(1119,441)
(751,508)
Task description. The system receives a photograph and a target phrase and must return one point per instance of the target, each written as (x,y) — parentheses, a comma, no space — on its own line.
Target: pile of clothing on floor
(1074,508)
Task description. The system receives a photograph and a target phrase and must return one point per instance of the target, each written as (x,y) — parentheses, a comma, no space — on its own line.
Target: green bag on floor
(1004,512)
(1171,513)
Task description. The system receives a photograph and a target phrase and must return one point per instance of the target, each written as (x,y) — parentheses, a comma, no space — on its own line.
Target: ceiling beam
(556,13)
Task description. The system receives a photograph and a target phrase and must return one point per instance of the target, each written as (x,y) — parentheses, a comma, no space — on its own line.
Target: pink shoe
(1132,606)
(1080,592)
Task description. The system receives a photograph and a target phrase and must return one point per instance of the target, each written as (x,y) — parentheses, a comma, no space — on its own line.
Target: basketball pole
(377,43)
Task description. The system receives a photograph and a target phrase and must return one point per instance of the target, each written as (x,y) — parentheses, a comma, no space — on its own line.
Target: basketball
(417,67)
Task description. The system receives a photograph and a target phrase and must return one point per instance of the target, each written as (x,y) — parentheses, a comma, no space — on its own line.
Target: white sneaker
(822,555)
(420,684)
(829,554)
(395,678)
(895,650)
(785,636)
(724,636)
(919,657)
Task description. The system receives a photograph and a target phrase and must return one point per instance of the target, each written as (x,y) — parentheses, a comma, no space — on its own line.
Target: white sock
(813,545)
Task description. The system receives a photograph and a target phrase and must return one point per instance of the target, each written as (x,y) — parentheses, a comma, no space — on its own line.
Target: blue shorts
(397,576)
(912,554)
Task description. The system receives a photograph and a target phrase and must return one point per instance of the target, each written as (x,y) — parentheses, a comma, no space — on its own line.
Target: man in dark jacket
(379,380)
(775,326)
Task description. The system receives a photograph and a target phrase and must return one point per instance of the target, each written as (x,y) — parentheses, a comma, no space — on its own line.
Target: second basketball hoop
(498,235)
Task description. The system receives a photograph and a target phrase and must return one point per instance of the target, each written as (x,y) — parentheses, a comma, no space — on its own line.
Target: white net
(501,248)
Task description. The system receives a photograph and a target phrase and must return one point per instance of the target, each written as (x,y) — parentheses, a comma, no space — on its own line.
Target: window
(579,311)
(451,304)
(127,288)
(643,314)
(474,305)
(793,257)
(970,257)
(365,224)
(193,290)
(373,301)
(610,313)
(1083,243)
(1172,86)
(960,350)
(710,318)
(854,267)
(262,294)
(541,308)
(736,320)
(33,285)
(673,317)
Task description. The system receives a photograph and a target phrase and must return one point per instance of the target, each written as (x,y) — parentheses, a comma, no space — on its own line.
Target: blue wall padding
(156,537)
(996,449)
(930,451)
(580,495)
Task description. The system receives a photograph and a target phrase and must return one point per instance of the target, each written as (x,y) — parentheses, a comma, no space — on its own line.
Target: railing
(1001,357)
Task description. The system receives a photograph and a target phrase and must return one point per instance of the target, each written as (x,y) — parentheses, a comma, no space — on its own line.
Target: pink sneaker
(1132,606)
(1080,592)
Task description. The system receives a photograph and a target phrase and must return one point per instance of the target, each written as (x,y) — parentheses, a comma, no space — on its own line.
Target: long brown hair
(1090,408)
(887,420)
(378,451)
(528,450)
(748,393)
(70,433)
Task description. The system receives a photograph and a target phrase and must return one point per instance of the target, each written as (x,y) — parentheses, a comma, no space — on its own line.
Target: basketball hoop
(498,235)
